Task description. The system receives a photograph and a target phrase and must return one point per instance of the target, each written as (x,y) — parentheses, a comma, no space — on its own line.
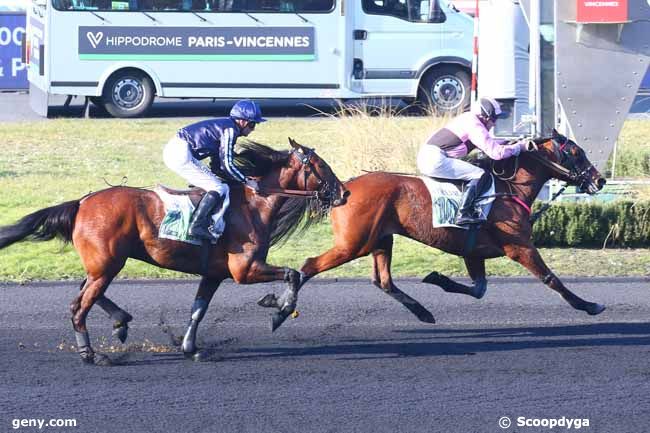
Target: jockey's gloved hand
(252,184)
(527,145)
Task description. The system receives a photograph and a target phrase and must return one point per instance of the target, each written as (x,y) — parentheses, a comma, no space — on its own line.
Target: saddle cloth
(178,216)
(445,200)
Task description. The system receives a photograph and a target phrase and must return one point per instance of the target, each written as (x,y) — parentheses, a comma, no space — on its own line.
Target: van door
(392,38)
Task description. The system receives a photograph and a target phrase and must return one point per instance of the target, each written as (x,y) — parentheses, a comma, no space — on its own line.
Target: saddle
(193,192)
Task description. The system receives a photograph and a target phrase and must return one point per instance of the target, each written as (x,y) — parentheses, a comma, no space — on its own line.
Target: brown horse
(109,226)
(381,205)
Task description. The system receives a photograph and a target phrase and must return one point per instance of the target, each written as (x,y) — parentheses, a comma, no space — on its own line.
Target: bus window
(427,11)
(310,6)
(260,6)
(95,5)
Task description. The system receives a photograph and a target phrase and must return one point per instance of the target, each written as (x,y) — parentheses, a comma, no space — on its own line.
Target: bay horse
(381,205)
(109,226)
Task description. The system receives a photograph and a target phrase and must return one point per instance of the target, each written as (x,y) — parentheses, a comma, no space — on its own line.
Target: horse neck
(279,177)
(529,180)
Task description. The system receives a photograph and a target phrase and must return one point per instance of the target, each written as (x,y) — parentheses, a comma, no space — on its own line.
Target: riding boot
(199,228)
(467,211)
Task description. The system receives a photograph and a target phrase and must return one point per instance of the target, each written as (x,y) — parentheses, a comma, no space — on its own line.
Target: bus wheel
(445,90)
(128,94)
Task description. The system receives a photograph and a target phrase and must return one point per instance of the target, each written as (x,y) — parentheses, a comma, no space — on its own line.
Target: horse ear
(295,144)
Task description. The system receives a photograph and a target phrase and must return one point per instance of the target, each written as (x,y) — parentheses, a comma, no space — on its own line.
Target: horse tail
(42,225)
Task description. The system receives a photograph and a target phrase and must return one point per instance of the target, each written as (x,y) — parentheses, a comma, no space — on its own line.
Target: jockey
(214,138)
(438,157)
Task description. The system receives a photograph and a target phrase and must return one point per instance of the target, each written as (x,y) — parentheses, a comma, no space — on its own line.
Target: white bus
(123,53)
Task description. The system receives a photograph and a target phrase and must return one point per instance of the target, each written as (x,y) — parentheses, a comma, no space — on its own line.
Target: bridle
(573,174)
(323,193)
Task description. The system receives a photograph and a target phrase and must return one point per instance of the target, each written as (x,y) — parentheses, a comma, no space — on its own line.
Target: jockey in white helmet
(439,155)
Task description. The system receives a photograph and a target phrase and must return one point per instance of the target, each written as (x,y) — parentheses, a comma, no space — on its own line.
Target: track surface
(355,360)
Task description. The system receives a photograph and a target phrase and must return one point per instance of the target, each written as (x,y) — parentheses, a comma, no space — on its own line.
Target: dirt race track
(354,361)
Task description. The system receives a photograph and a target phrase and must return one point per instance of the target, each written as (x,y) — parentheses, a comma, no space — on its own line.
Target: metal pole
(474,94)
(614,160)
(534,75)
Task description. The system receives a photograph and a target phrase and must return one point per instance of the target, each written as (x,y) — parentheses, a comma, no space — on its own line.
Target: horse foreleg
(204,294)
(476,269)
(261,272)
(382,278)
(121,317)
(330,259)
(528,256)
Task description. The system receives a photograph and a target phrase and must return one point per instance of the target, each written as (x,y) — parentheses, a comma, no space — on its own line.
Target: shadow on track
(428,344)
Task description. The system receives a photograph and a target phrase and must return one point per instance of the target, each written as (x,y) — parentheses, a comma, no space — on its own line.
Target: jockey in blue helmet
(214,138)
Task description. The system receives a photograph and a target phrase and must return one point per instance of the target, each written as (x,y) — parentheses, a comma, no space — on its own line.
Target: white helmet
(488,108)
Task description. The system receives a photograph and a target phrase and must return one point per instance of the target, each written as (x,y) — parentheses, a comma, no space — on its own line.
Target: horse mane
(257,159)
(296,214)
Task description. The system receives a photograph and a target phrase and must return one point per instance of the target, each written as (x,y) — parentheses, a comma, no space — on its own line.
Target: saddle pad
(178,216)
(445,200)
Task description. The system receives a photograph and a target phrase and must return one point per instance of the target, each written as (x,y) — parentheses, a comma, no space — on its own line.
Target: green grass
(45,163)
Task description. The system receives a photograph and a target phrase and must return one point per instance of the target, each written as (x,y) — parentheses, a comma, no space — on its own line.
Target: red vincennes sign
(602,11)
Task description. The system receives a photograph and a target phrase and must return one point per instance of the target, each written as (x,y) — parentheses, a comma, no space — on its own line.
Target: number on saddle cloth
(445,200)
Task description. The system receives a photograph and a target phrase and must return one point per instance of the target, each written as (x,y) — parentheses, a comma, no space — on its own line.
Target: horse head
(568,162)
(314,174)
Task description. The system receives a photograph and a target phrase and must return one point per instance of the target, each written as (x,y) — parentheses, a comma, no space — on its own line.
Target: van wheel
(128,94)
(445,90)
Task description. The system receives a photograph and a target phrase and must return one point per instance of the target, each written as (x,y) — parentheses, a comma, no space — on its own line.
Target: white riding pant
(433,161)
(179,159)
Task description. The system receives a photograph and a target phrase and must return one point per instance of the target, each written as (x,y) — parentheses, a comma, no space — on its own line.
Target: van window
(419,11)
(259,6)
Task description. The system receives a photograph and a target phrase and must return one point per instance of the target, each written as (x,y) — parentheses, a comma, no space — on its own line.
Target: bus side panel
(205,78)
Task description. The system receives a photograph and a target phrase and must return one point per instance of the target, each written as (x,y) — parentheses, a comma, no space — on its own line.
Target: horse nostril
(601,183)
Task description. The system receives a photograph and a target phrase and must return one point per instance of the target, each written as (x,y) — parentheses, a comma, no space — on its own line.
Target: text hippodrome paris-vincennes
(210,41)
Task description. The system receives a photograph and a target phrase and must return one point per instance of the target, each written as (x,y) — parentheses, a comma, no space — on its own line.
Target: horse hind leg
(382,278)
(93,289)
(121,317)
(476,269)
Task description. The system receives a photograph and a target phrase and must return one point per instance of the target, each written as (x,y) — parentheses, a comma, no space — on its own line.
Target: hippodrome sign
(191,43)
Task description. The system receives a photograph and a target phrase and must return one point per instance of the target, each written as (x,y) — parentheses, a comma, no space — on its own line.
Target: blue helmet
(247,110)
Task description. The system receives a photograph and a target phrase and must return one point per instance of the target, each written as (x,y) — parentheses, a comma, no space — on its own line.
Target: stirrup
(201,232)
(464,220)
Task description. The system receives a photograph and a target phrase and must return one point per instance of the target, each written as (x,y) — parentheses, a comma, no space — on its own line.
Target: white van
(123,53)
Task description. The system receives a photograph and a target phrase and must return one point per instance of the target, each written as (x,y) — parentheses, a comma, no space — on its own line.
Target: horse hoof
(197,356)
(595,309)
(277,319)
(87,357)
(479,290)
(268,301)
(427,317)
(102,360)
(432,278)
(121,332)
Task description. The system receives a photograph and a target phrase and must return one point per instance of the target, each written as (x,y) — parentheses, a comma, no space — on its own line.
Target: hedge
(617,224)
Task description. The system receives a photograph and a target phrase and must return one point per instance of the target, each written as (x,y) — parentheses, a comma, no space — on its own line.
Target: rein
(554,166)
(295,193)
